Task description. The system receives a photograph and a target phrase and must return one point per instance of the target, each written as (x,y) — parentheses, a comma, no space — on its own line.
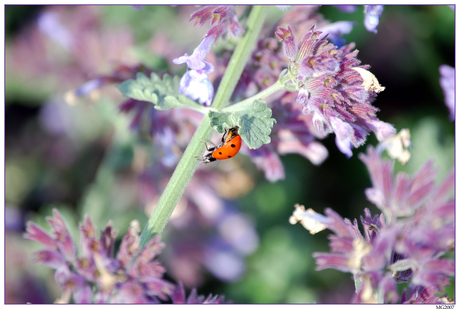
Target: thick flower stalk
(334,88)
(406,243)
(96,275)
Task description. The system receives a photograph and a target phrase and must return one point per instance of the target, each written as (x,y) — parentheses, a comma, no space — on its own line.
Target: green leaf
(254,120)
(221,120)
(180,101)
(164,93)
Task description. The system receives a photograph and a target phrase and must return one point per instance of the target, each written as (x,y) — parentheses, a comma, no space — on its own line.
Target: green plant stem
(188,164)
(263,94)
(240,56)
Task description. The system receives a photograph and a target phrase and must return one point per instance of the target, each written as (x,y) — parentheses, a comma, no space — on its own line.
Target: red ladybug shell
(229,149)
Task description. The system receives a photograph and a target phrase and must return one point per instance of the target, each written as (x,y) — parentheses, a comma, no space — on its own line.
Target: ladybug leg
(206,159)
(224,137)
(209,148)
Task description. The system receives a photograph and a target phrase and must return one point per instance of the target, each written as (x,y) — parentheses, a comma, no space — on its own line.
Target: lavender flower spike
(335,88)
(97,276)
(405,244)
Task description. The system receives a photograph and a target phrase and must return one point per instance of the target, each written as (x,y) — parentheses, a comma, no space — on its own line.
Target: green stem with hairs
(263,94)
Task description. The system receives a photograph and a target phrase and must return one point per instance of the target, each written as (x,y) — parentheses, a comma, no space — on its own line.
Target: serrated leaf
(254,122)
(164,93)
(171,101)
(221,120)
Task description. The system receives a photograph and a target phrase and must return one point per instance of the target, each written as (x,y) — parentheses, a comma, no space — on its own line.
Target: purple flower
(223,260)
(447,82)
(96,270)
(401,197)
(335,31)
(223,20)
(196,60)
(422,295)
(178,297)
(404,244)
(347,8)
(292,134)
(133,275)
(266,159)
(371,17)
(50,25)
(197,86)
(290,47)
(195,83)
(334,88)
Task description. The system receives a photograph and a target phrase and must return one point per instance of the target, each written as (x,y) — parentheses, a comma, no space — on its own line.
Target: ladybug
(231,144)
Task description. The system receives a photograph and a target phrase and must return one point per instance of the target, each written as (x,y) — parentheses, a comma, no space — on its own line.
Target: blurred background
(80,154)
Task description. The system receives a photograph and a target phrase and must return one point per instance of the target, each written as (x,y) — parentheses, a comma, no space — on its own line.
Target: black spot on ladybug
(229,156)
(233,145)
(220,152)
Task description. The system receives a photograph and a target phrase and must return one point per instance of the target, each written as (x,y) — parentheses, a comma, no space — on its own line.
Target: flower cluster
(95,275)
(334,88)
(294,131)
(406,243)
